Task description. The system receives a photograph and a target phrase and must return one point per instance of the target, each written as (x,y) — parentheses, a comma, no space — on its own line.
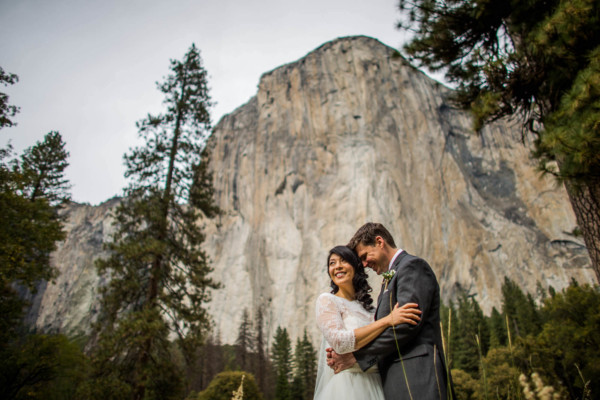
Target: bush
(502,376)
(464,385)
(225,383)
(42,367)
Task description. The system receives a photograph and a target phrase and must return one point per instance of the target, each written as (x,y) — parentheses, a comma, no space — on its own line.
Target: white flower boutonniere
(387,277)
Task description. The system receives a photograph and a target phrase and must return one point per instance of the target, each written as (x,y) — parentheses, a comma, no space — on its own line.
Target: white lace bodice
(337,318)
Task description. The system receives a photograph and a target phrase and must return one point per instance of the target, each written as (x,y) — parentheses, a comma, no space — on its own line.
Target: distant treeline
(528,350)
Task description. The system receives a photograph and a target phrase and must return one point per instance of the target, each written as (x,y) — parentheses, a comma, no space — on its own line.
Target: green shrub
(227,382)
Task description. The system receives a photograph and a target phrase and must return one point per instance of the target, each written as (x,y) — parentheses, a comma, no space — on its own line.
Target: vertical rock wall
(348,134)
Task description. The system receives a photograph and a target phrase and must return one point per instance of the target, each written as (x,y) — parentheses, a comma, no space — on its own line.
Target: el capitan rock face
(70,303)
(348,134)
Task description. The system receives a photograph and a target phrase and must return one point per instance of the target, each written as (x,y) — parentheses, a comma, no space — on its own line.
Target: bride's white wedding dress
(337,318)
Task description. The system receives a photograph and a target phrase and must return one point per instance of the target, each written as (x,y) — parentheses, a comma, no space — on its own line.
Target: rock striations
(70,303)
(348,134)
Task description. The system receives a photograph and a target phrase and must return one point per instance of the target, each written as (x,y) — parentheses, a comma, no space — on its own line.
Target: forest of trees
(153,337)
(280,371)
(554,341)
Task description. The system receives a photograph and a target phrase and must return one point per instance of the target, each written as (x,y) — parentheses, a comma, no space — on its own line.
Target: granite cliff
(350,133)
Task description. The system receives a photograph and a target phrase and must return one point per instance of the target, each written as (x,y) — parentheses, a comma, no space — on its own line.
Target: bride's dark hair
(360,283)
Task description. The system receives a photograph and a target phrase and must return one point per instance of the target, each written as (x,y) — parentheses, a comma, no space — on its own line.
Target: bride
(345,317)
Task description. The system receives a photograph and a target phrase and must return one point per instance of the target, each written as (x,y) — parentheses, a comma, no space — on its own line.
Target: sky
(88,68)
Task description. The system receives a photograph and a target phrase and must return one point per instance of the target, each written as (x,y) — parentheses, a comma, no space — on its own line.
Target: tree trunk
(585,201)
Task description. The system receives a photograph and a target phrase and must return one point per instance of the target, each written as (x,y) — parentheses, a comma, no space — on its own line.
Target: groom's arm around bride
(410,357)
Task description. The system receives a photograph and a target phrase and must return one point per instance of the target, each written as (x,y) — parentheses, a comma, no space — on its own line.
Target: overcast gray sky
(88,68)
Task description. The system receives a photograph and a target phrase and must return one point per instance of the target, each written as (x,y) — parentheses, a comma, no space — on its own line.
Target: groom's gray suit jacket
(422,361)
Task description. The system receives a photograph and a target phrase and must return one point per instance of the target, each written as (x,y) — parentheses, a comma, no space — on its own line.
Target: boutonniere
(387,277)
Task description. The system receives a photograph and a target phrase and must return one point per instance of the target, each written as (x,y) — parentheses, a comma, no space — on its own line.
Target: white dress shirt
(394,258)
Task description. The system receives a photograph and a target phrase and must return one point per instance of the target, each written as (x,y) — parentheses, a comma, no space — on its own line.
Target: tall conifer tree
(159,275)
(43,170)
(211,361)
(472,324)
(297,385)
(244,343)
(523,315)
(305,369)
(497,325)
(262,369)
(31,190)
(281,357)
(537,59)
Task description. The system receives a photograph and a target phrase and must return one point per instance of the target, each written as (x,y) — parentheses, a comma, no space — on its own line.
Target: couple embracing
(389,350)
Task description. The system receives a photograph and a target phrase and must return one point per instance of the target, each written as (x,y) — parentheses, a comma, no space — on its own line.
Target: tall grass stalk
(437,379)
(485,388)
(509,338)
(398,347)
(515,384)
(587,391)
(448,358)
(446,352)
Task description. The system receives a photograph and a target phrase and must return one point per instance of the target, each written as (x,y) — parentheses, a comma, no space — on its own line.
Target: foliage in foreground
(44,367)
(32,191)
(551,348)
(226,383)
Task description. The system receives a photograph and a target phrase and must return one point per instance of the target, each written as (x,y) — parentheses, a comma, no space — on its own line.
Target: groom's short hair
(367,233)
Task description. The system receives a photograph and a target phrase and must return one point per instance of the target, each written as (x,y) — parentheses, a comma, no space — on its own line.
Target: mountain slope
(348,134)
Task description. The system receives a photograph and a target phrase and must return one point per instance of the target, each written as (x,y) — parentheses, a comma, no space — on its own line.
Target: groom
(420,372)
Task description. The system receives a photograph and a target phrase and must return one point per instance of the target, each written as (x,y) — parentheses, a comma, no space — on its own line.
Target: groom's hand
(339,362)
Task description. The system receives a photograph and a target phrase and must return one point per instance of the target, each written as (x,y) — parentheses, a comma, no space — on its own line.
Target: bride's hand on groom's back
(407,314)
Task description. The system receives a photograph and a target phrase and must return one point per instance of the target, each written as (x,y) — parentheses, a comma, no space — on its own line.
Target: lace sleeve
(329,321)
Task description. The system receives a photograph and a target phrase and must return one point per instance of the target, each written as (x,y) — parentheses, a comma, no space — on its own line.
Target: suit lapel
(395,267)
(380,296)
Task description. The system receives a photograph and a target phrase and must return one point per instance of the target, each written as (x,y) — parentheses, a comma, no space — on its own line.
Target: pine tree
(473,333)
(309,367)
(10,204)
(281,356)
(497,326)
(244,343)
(522,313)
(305,369)
(537,59)
(30,191)
(211,362)
(296,389)
(159,275)
(43,169)
(260,368)
(30,227)
(7,111)
(30,224)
